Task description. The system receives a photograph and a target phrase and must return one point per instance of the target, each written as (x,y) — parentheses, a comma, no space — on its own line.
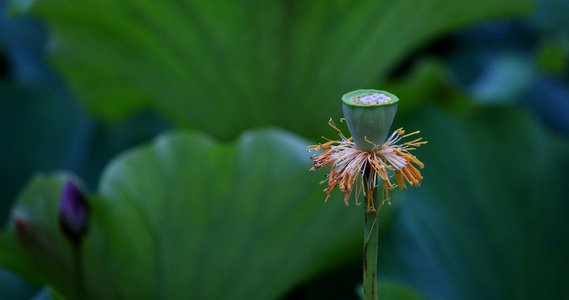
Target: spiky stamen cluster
(349,163)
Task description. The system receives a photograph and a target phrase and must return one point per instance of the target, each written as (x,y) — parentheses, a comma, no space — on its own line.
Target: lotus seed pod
(369,114)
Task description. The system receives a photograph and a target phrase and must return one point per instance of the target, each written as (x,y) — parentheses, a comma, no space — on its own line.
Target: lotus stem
(371,247)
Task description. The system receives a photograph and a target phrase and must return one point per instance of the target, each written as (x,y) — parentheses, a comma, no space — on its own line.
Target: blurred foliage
(494,224)
(225,66)
(34,121)
(188,213)
(552,56)
(185,216)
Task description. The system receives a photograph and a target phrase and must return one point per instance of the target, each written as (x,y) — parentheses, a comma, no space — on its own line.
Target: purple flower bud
(73,212)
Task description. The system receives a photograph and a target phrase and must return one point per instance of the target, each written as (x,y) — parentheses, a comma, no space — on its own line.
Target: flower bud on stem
(74,217)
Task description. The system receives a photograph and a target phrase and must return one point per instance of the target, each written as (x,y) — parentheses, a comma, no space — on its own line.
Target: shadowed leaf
(224,66)
(189,218)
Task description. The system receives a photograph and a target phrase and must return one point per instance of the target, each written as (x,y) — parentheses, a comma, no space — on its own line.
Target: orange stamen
(415,172)
(412,133)
(400,181)
(370,206)
(413,181)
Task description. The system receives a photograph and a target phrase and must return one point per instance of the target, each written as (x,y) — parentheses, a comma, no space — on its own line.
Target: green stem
(371,248)
(78,269)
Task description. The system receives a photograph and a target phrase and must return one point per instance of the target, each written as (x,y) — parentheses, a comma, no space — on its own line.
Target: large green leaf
(490,220)
(224,66)
(189,218)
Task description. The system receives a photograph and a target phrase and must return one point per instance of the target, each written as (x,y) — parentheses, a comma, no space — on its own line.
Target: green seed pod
(369,114)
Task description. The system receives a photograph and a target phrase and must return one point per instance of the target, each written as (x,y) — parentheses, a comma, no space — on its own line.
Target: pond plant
(367,155)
